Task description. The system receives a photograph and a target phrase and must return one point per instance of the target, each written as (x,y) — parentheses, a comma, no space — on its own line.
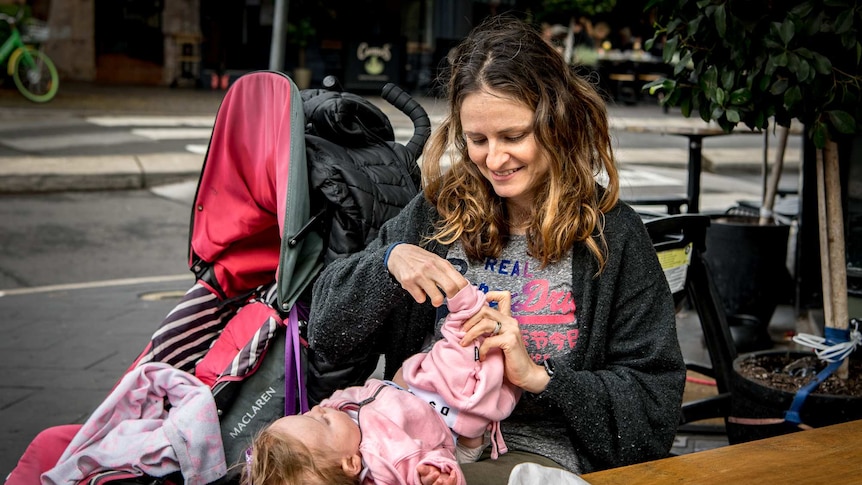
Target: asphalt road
(85,280)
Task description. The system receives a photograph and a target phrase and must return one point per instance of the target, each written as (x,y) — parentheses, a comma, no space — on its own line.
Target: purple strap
(293,367)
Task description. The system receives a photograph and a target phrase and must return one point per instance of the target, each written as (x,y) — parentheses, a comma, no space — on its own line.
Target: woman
(591,335)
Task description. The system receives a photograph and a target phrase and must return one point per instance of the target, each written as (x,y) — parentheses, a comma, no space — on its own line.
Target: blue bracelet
(388,251)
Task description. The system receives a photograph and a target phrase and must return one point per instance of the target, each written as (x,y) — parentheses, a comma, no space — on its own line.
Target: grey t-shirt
(542,303)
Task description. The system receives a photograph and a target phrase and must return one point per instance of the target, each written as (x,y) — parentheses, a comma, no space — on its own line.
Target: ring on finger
(497,328)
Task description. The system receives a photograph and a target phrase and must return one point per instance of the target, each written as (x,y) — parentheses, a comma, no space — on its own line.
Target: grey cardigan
(619,391)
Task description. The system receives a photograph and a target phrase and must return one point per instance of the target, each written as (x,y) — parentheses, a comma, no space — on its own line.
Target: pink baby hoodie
(475,393)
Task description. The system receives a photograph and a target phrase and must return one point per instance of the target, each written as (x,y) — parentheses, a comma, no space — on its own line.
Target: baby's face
(323,429)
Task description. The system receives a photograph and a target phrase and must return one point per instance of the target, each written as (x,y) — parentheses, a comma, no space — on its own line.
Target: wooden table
(823,455)
(695,130)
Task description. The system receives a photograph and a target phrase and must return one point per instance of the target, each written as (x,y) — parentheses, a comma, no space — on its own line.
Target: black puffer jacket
(359,175)
(360,178)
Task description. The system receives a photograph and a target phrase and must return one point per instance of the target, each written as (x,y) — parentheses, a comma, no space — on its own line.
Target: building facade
(202,42)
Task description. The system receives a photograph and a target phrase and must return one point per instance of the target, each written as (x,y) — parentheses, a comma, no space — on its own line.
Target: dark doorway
(129,41)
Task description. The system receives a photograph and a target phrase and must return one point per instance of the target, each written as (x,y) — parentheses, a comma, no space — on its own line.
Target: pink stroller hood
(253,195)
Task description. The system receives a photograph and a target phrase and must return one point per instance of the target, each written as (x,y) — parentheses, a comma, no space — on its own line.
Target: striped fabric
(248,358)
(188,331)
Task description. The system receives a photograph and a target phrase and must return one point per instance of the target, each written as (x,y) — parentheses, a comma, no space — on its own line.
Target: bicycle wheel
(35,75)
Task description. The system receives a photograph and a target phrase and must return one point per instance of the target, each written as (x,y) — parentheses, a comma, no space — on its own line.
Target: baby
(377,433)
(386,432)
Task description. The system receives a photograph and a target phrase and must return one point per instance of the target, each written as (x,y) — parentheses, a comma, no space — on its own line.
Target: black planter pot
(754,405)
(748,264)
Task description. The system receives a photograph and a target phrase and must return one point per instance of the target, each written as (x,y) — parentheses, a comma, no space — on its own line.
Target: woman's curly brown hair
(508,57)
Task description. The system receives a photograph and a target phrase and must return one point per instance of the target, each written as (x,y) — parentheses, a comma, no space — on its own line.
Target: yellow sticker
(675,263)
(673,258)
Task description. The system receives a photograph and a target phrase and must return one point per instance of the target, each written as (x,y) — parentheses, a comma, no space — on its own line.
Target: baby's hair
(280,459)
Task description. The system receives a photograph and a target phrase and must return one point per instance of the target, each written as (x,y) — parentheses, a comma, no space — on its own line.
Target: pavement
(33,170)
(27,173)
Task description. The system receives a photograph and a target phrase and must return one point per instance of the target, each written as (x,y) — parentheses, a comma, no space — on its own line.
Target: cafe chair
(672,203)
(680,241)
(624,84)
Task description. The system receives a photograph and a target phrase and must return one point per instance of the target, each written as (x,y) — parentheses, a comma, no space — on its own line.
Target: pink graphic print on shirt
(545,310)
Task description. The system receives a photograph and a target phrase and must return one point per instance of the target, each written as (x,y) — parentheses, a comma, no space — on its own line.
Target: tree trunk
(768,203)
(832,259)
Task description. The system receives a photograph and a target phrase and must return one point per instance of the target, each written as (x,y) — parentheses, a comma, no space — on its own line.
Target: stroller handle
(421,123)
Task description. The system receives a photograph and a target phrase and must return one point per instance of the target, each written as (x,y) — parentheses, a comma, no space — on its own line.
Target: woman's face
(502,144)
(323,429)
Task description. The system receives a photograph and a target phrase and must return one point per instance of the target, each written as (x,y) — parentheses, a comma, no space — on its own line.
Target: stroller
(291,181)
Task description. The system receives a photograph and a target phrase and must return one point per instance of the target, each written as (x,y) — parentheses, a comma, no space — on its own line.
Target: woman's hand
(520,369)
(431,475)
(424,274)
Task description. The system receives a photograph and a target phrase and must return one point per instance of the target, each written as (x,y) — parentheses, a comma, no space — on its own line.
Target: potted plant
(758,62)
(299,33)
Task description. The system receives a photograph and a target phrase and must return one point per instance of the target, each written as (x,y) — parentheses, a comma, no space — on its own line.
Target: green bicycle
(33,72)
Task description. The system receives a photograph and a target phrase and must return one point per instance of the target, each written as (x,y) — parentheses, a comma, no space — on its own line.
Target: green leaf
(720,18)
(685,107)
(822,64)
(760,119)
(786,31)
(842,121)
(703,3)
(770,66)
(805,53)
(728,76)
(704,111)
(682,64)
(740,96)
(792,61)
(844,22)
(771,44)
(792,96)
(669,49)
(764,83)
(804,71)
(649,43)
(802,10)
(819,23)
(720,96)
(819,134)
(693,26)
(709,81)
(779,87)
(848,40)
(732,115)
(709,11)
(781,59)
(657,83)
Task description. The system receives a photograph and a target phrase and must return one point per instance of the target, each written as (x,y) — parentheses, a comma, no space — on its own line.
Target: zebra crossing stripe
(174,133)
(114,121)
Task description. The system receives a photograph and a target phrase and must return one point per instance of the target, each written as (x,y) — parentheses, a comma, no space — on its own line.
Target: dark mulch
(787,372)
